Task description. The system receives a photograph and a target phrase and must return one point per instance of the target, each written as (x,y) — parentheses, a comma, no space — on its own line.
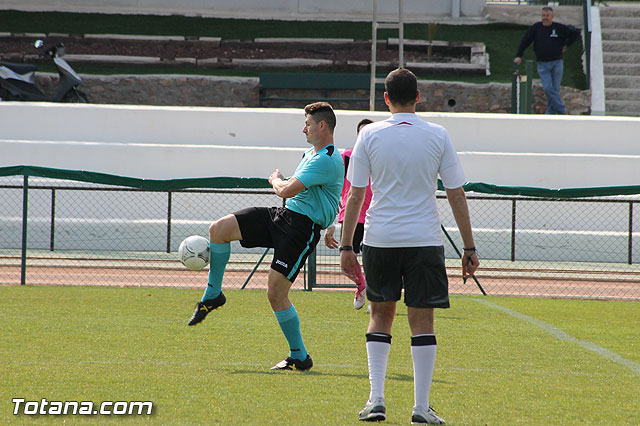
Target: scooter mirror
(38,44)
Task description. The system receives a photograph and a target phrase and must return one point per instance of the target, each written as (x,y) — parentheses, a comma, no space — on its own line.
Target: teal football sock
(219,255)
(290,325)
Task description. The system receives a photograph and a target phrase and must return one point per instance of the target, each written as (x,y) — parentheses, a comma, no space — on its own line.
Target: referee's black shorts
(293,236)
(419,270)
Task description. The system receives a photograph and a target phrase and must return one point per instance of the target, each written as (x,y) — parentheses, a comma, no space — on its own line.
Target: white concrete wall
(171,142)
(359,10)
(177,142)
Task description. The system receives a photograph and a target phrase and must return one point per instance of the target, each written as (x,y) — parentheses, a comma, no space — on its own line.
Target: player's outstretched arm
(458,202)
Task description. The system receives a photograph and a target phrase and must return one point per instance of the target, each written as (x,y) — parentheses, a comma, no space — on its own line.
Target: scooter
(17,82)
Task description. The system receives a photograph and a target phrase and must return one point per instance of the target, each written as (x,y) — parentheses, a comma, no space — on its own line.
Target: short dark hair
(401,86)
(549,8)
(322,111)
(362,123)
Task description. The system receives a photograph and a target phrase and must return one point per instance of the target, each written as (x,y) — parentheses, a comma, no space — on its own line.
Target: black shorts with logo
(419,270)
(293,236)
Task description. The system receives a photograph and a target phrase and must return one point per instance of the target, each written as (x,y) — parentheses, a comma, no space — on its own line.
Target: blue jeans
(551,75)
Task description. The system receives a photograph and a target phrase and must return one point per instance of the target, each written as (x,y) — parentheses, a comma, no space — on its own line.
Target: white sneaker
(359,300)
(374,411)
(420,416)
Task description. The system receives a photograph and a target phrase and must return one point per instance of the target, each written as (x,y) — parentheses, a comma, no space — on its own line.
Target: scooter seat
(19,68)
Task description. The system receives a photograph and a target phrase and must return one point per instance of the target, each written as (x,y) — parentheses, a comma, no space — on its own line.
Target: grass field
(501,361)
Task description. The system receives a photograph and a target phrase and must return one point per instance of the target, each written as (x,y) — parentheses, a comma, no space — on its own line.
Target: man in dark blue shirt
(550,40)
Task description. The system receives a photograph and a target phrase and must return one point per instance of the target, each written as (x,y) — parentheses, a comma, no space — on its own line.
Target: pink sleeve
(365,205)
(345,193)
(345,188)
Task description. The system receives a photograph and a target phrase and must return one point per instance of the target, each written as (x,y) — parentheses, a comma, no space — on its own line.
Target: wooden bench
(325,82)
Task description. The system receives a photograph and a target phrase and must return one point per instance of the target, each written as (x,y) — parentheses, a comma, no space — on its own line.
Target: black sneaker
(203,308)
(292,363)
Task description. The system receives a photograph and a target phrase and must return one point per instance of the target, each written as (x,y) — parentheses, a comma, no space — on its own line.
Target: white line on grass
(561,335)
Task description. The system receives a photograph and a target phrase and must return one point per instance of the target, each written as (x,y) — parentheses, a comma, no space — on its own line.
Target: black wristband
(470,249)
(345,248)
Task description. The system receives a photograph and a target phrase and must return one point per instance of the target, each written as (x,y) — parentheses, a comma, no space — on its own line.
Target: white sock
(378,348)
(423,352)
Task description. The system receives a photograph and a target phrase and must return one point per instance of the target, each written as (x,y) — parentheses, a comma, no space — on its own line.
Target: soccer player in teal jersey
(313,194)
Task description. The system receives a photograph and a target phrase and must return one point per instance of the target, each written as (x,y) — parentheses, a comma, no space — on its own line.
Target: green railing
(70,227)
(147,184)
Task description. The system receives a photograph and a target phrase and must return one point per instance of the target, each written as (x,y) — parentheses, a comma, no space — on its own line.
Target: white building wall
(170,142)
(179,142)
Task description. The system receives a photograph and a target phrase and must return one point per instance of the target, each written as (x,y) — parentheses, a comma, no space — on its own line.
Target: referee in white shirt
(402,246)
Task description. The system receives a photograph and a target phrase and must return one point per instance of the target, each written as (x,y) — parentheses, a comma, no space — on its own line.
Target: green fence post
(528,92)
(52,228)
(515,75)
(169,209)
(586,17)
(312,267)
(630,240)
(25,205)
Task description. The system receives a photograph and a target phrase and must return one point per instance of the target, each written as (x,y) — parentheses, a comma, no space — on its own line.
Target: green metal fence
(521,89)
(66,227)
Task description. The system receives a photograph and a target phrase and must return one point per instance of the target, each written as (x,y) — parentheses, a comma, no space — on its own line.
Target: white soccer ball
(194,252)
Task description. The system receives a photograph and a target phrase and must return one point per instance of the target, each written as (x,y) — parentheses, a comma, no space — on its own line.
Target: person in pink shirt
(329,239)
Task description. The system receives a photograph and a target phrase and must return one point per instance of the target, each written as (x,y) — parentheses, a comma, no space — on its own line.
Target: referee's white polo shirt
(404,155)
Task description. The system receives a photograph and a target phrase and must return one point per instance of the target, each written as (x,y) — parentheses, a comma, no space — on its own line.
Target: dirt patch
(233,49)
(180,277)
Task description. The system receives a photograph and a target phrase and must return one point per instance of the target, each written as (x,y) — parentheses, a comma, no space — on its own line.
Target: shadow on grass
(305,373)
(392,376)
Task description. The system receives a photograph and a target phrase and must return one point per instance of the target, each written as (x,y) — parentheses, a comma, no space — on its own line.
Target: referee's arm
(458,202)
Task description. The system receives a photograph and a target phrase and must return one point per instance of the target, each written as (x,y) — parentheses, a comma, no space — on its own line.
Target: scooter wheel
(76,97)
